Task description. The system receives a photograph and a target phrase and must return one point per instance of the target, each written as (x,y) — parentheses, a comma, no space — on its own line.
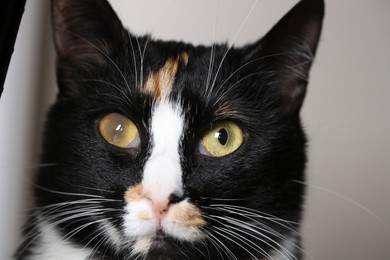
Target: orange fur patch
(160,83)
(134,193)
(185,57)
(188,216)
(143,215)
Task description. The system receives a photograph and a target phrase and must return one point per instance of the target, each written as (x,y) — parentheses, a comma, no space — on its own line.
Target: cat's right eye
(222,139)
(119,131)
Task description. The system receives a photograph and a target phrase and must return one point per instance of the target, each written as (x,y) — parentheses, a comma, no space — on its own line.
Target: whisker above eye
(124,97)
(232,43)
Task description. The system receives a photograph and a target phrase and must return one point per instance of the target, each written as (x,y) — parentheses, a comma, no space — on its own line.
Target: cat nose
(161,205)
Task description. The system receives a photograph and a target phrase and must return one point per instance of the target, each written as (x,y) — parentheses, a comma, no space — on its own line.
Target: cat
(165,150)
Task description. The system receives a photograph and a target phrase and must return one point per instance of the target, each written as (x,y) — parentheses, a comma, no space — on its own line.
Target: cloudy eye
(222,139)
(119,131)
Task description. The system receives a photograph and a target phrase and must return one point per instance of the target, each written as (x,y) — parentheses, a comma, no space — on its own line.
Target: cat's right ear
(85,33)
(285,54)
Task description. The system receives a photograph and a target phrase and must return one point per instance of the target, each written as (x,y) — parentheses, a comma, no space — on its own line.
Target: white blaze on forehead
(162,172)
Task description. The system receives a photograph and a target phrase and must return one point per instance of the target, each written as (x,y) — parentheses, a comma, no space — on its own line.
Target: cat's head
(164,149)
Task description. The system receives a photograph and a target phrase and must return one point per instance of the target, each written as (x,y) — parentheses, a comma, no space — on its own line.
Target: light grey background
(346,112)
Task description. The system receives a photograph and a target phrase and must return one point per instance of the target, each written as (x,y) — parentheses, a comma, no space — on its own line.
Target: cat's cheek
(184,221)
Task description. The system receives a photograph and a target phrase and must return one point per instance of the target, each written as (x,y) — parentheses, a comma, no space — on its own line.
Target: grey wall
(346,112)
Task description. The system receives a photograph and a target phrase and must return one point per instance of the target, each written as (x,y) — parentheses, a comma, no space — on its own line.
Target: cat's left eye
(119,131)
(222,139)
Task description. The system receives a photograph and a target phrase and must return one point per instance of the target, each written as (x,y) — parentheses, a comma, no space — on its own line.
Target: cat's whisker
(231,239)
(34,224)
(212,51)
(232,43)
(106,246)
(252,232)
(223,247)
(347,199)
(231,87)
(102,240)
(73,232)
(32,235)
(256,229)
(131,46)
(223,199)
(262,251)
(65,193)
(80,202)
(257,226)
(148,39)
(262,58)
(246,241)
(134,58)
(72,216)
(29,238)
(253,213)
(64,206)
(203,244)
(124,97)
(97,246)
(255,217)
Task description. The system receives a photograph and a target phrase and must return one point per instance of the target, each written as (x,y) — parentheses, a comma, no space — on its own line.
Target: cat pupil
(222,136)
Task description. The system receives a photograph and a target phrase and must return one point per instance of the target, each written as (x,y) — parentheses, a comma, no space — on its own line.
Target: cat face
(164,150)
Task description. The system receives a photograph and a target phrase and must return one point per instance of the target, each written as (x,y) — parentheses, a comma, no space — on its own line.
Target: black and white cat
(165,150)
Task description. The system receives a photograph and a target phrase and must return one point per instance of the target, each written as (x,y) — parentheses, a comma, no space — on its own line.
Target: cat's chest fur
(165,150)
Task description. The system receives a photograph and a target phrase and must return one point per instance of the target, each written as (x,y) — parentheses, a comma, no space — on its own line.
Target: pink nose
(161,205)
(160,209)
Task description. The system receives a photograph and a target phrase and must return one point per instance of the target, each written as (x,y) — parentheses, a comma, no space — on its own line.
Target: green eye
(119,131)
(222,139)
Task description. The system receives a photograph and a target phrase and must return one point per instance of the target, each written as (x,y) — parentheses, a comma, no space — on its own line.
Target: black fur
(260,86)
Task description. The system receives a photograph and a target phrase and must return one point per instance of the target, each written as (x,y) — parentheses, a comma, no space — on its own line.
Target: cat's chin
(159,244)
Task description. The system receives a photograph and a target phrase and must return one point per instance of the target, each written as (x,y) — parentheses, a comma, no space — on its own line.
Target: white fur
(136,226)
(52,246)
(141,246)
(162,172)
(111,233)
(162,176)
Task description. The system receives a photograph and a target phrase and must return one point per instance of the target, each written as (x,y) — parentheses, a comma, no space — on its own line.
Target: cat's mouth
(162,243)
(160,236)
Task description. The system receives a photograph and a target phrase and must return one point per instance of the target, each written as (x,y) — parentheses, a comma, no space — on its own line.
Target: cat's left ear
(287,51)
(85,33)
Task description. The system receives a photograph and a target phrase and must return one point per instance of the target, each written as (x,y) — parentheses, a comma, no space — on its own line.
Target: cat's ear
(85,33)
(288,51)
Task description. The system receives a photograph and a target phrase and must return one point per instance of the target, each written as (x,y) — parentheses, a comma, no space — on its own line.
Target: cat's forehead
(159,83)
